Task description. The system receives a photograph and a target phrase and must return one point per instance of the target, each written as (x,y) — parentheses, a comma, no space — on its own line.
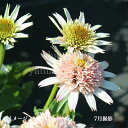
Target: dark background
(113,15)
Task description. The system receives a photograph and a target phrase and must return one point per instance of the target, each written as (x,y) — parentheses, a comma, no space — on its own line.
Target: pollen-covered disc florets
(78,35)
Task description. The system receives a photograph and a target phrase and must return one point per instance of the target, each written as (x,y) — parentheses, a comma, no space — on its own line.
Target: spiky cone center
(84,74)
(7,28)
(76,35)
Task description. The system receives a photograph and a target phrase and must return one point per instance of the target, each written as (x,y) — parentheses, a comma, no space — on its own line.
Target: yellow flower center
(80,62)
(76,35)
(7,28)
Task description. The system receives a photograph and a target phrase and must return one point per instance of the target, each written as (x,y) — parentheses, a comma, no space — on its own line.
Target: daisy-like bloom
(78,35)
(45,120)
(10,27)
(79,73)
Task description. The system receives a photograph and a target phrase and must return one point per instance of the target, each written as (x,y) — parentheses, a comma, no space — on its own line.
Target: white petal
(94,49)
(49,59)
(25,25)
(7,120)
(6,14)
(82,18)
(91,101)
(108,74)
(15,126)
(21,35)
(72,100)
(79,54)
(54,22)
(42,67)
(9,46)
(95,27)
(12,40)
(48,81)
(104,64)
(102,35)
(57,50)
(3,68)
(70,49)
(92,55)
(1,115)
(23,19)
(68,16)
(15,12)
(60,19)
(80,125)
(110,86)
(103,95)
(56,40)
(63,91)
(102,42)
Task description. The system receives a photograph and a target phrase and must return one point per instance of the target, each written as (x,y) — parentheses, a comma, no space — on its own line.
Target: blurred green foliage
(13,91)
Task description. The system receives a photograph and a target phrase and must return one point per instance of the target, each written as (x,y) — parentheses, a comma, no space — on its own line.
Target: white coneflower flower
(45,120)
(77,34)
(79,73)
(10,27)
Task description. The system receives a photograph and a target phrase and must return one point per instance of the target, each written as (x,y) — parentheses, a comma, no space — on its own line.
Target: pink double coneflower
(79,73)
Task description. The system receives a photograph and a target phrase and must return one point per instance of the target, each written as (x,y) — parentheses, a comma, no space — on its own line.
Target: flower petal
(103,95)
(102,42)
(25,25)
(54,22)
(48,81)
(48,58)
(42,67)
(6,14)
(21,35)
(68,16)
(7,119)
(80,125)
(82,18)
(15,12)
(56,40)
(110,86)
(60,19)
(23,19)
(91,101)
(94,49)
(104,64)
(72,100)
(95,27)
(3,68)
(102,35)
(108,74)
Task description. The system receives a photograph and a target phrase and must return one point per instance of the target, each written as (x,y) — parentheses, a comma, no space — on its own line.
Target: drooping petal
(57,51)
(48,58)
(104,64)
(15,12)
(108,74)
(48,81)
(95,27)
(100,93)
(68,16)
(82,18)
(110,86)
(56,40)
(72,100)
(6,14)
(63,92)
(102,42)
(91,101)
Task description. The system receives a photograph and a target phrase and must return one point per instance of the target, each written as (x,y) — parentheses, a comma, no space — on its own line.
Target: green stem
(51,97)
(2,54)
(23,73)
